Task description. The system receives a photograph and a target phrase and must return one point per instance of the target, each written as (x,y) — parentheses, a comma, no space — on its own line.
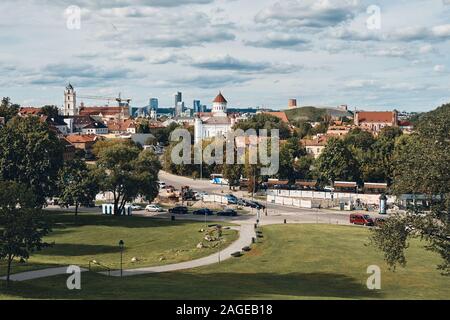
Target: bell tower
(70,101)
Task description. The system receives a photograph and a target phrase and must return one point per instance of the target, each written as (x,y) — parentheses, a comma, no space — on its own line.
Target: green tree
(291,166)
(143,126)
(379,161)
(105,144)
(337,162)
(265,121)
(78,184)
(303,129)
(163,134)
(50,111)
(22,225)
(8,110)
(359,139)
(421,165)
(232,171)
(128,172)
(31,154)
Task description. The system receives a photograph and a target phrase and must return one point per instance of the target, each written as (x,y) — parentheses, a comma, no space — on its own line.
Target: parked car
(255,205)
(242,202)
(153,208)
(179,210)
(231,199)
(203,212)
(135,207)
(361,219)
(228,213)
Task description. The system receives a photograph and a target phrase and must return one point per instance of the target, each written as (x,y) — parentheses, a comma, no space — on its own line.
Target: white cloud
(439,68)
(227,62)
(308,13)
(261,51)
(278,40)
(420,33)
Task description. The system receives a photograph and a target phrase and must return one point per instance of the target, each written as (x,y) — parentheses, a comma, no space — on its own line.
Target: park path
(246,233)
(36,274)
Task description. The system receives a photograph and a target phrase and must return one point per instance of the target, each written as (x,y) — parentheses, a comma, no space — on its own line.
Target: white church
(214,124)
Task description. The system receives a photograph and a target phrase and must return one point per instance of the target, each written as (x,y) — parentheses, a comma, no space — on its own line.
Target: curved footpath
(246,233)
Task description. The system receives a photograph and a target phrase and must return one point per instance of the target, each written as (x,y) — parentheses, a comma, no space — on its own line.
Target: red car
(361,219)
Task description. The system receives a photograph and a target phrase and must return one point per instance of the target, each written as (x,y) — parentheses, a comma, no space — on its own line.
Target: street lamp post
(121,246)
(201,170)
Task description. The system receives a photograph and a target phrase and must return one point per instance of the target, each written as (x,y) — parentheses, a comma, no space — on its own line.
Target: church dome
(220,98)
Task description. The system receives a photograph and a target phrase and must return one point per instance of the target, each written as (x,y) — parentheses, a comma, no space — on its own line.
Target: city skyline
(259,53)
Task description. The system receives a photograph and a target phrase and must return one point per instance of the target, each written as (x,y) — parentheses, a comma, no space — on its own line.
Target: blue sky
(258,52)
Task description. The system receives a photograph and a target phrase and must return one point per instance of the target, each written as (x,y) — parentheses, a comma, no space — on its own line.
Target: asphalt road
(275,213)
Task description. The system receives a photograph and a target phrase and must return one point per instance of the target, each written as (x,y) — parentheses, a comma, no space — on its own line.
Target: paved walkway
(246,233)
(36,274)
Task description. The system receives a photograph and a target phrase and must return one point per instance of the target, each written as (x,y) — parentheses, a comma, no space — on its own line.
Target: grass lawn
(291,262)
(96,237)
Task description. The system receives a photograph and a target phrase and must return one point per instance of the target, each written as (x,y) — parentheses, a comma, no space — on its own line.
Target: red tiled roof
(345,184)
(279,114)
(156,124)
(316,142)
(81,138)
(121,126)
(29,111)
(305,183)
(102,110)
(220,98)
(375,116)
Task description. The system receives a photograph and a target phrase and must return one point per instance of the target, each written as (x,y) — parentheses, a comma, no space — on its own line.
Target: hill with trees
(314,114)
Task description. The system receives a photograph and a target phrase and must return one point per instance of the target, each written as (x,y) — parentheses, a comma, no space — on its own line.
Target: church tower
(219,108)
(70,101)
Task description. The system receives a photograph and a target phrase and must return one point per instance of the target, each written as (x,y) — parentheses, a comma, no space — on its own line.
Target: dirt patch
(255,252)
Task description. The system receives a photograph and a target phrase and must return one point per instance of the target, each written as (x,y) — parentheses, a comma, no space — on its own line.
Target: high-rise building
(196,106)
(179,109)
(154,104)
(178,99)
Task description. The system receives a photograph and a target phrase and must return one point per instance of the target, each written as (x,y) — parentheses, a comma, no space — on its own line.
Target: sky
(372,55)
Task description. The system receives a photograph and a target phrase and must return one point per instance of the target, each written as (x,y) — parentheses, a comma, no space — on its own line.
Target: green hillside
(314,113)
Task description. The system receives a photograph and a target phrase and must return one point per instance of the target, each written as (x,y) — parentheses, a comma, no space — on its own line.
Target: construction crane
(122,102)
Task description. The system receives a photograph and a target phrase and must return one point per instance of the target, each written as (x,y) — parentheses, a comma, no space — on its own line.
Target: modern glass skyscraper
(196,106)
(154,104)
(178,99)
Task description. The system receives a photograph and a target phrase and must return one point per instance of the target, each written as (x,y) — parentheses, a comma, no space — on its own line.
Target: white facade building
(215,124)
